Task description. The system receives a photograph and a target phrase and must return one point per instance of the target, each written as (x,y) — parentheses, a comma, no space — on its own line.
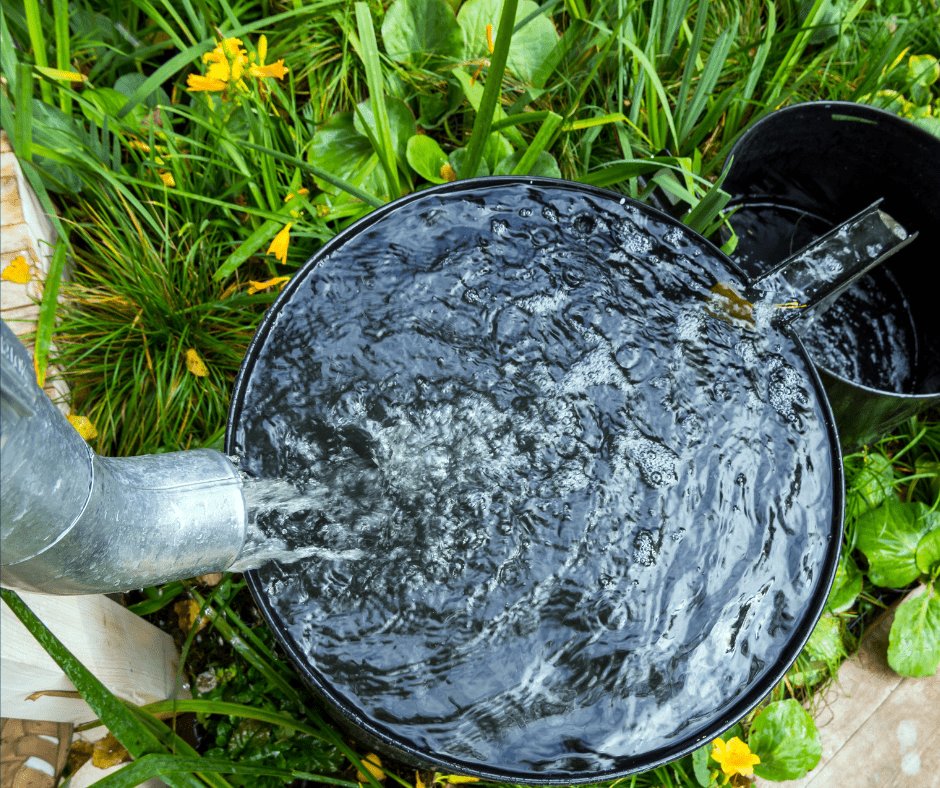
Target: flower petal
(276,70)
(257,287)
(17,271)
(84,426)
(280,243)
(195,364)
(196,82)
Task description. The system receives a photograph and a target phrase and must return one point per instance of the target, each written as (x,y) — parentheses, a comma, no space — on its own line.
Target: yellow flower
(17,271)
(373,764)
(195,364)
(260,70)
(299,193)
(280,243)
(276,70)
(168,179)
(196,82)
(84,426)
(448,173)
(735,757)
(489,38)
(257,287)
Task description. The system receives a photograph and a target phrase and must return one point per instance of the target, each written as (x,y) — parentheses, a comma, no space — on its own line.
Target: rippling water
(580,516)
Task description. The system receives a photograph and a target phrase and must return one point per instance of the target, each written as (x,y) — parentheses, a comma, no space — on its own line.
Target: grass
(168,202)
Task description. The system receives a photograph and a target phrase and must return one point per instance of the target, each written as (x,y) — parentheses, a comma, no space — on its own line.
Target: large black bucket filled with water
(802,170)
(579,493)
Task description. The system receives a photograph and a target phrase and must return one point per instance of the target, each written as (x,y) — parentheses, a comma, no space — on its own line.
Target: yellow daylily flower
(280,243)
(195,82)
(276,70)
(17,271)
(195,364)
(257,287)
(735,757)
(262,71)
(84,426)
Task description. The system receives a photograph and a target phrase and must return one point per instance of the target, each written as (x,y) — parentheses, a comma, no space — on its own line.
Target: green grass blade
(177,746)
(492,90)
(162,22)
(200,706)
(162,766)
(23,130)
(542,138)
(657,86)
(376,83)
(243,649)
(38,42)
(47,311)
(695,47)
(710,74)
(249,246)
(134,736)
(800,42)
(63,58)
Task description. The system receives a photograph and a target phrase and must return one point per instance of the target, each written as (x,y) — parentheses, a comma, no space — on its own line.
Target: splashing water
(558,515)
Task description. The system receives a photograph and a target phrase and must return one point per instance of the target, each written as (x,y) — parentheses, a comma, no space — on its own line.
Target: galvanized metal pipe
(72,522)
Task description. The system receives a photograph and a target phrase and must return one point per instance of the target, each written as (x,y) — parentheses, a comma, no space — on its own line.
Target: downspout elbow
(76,523)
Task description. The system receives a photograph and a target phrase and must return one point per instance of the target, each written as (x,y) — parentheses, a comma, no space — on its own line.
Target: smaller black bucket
(801,171)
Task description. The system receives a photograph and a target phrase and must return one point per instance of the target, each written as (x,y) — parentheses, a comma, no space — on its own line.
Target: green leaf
(107,102)
(923,70)
(889,535)
(341,150)
(545,165)
(785,739)
(531,45)
(927,555)
(458,160)
(846,587)
(129,84)
(928,468)
(414,31)
(872,484)
(426,158)
(700,764)
(496,149)
(914,642)
(401,123)
(825,642)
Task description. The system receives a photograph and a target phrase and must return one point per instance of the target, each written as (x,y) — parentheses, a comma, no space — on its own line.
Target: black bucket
(804,169)
(619,516)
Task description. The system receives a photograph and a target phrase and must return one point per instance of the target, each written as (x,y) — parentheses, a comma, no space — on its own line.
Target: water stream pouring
(604,485)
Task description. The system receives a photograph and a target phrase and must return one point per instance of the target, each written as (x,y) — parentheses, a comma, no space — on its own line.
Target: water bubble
(584,224)
(525,213)
(644,549)
(499,227)
(550,214)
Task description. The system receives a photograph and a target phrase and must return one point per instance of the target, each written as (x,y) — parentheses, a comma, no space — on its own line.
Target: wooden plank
(877,728)
(897,747)
(131,657)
